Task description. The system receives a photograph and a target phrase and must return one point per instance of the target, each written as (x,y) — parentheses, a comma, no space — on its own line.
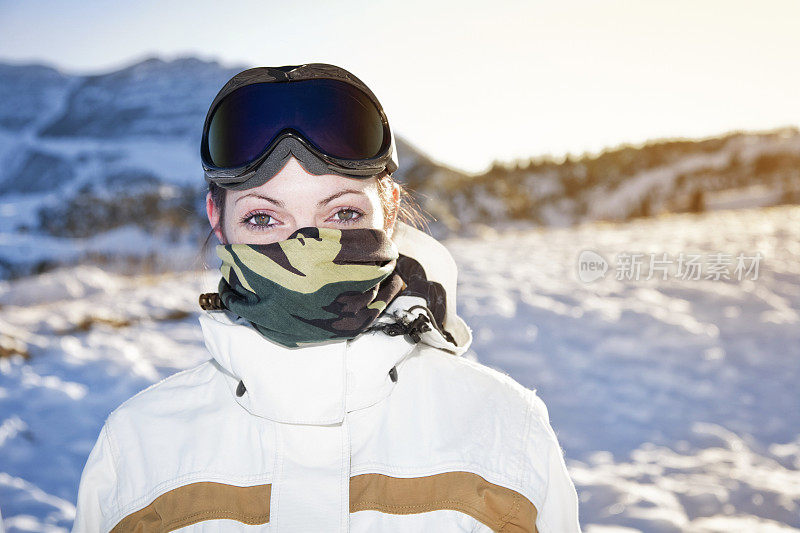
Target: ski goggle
(324,108)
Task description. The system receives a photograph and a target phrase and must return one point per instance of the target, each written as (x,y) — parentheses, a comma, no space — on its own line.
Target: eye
(352,215)
(259,221)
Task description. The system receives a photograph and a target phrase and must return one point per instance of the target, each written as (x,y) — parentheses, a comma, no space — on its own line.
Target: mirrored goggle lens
(337,118)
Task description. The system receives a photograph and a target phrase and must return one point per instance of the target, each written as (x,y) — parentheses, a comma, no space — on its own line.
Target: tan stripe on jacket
(197,502)
(498,507)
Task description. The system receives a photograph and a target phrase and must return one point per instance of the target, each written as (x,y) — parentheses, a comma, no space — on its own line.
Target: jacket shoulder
(190,410)
(510,389)
(182,407)
(511,441)
(116,475)
(168,394)
(488,383)
(462,397)
(544,478)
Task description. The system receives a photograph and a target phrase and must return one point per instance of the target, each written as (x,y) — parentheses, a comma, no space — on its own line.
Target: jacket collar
(318,383)
(439,266)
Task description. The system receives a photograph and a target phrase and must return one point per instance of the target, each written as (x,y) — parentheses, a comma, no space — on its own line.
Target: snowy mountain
(100,166)
(675,400)
(105,169)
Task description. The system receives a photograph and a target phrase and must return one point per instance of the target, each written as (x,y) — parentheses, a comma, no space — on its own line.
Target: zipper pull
(412,328)
(418,326)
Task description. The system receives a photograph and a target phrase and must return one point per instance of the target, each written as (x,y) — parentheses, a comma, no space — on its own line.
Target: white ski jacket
(371,434)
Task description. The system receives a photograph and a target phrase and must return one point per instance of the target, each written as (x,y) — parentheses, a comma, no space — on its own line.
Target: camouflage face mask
(319,284)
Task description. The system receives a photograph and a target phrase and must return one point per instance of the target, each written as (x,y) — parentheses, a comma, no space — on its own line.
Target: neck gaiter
(318,284)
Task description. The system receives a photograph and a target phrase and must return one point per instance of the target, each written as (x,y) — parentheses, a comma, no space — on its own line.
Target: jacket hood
(318,383)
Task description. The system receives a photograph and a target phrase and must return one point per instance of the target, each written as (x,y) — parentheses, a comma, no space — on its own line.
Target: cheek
(375,211)
(233,213)
(228,224)
(377,217)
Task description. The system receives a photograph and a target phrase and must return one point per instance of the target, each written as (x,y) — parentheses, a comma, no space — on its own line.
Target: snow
(125,241)
(676,401)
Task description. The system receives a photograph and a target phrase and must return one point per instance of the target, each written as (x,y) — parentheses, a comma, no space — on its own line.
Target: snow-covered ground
(676,400)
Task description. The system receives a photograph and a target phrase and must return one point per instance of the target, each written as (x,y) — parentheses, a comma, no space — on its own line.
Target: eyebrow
(322,202)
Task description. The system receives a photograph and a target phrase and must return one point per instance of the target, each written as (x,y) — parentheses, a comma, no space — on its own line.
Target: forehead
(293,181)
(282,186)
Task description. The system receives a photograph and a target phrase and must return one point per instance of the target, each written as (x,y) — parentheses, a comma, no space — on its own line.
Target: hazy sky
(467,81)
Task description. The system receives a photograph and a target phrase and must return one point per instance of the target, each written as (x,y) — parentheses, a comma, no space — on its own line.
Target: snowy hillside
(676,401)
(740,169)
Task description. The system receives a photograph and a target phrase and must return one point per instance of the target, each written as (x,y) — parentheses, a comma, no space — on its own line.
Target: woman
(336,398)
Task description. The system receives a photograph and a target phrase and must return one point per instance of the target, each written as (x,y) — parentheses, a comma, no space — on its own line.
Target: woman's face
(293,199)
